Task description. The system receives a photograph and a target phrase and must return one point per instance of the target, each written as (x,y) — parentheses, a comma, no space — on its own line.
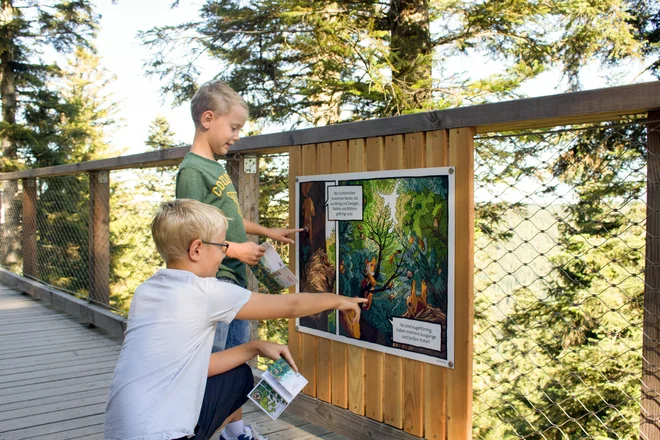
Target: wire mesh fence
(559,283)
(559,268)
(62,236)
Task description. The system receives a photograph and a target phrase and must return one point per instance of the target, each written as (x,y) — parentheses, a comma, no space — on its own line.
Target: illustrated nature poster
(387,236)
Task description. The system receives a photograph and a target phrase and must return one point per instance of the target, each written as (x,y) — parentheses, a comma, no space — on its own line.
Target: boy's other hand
(248,252)
(275,351)
(280,234)
(351,304)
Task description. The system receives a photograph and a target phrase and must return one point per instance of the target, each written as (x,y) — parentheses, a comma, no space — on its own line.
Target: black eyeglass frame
(223,246)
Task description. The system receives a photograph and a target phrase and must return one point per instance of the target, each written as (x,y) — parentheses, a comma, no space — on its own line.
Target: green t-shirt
(207,181)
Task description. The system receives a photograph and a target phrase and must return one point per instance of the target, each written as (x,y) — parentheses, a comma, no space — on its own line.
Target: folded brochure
(272,272)
(278,386)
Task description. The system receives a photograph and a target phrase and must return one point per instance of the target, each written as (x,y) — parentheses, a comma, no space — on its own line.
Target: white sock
(234,429)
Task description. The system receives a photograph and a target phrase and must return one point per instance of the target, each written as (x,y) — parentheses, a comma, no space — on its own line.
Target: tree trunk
(7,84)
(9,249)
(411,54)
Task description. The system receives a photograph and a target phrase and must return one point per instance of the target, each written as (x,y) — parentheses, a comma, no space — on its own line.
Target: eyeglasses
(223,246)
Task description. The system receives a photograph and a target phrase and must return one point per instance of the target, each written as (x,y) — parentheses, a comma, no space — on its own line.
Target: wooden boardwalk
(55,372)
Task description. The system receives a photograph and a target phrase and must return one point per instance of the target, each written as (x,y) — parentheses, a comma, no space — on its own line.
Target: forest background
(302,63)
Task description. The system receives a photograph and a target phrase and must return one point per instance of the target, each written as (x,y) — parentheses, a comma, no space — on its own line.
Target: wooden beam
(295,163)
(650,417)
(546,111)
(99,237)
(29,237)
(338,163)
(435,391)
(343,421)
(459,379)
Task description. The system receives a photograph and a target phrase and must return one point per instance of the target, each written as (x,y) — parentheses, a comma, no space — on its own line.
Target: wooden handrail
(546,111)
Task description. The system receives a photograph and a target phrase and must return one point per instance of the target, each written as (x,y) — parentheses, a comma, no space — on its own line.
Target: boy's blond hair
(180,222)
(216,96)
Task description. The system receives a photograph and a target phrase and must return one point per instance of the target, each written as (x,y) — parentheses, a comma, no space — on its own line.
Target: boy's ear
(206,119)
(193,250)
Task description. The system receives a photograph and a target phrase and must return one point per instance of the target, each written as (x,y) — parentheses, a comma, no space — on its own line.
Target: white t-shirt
(158,386)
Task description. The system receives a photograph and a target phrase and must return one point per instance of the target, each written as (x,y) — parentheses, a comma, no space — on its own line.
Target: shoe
(249,433)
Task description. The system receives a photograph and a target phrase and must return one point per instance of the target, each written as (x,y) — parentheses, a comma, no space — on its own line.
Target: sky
(122,55)
(140,100)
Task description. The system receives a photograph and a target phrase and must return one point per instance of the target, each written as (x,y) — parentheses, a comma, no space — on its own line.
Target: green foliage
(37,117)
(75,134)
(160,135)
(409,244)
(134,199)
(319,62)
(559,345)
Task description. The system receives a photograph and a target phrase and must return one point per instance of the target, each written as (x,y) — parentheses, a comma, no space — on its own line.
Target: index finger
(287,355)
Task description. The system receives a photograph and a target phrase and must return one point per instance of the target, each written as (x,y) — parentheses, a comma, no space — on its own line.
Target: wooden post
(459,379)
(30,267)
(309,343)
(326,360)
(295,164)
(99,236)
(248,198)
(435,390)
(650,417)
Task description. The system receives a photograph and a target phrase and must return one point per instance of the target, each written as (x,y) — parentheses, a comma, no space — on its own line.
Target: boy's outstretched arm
(295,305)
(278,234)
(226,360)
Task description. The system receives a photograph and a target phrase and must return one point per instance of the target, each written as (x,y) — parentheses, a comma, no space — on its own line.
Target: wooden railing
(359,392)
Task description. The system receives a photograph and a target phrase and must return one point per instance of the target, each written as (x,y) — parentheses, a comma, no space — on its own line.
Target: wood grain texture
(325,359)
(340,372)
(309,343)
(459,379)
(295,168)
(435,390)
(356,355)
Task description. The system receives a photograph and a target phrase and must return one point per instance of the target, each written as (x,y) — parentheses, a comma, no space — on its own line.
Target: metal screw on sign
(250,164)
(450,364)
(451,170)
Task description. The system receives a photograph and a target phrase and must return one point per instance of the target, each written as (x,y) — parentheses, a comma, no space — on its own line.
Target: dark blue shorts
(225,393)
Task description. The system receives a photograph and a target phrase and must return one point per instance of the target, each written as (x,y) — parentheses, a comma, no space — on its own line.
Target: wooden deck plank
(55,372)
(53,428)
(43,359)
(26,422)
(70,402)
(63,346)
(93,432)
(6,374)
(106,368)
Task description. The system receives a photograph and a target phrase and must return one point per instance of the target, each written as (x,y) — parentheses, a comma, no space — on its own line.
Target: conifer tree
(315,62)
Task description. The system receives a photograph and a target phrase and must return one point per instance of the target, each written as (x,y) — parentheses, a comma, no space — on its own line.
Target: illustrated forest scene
(316,256)
(266,397)
(397,258)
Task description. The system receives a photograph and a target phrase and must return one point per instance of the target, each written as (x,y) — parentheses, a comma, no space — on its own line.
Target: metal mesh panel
(135,195)
(62,251)
(559,283)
